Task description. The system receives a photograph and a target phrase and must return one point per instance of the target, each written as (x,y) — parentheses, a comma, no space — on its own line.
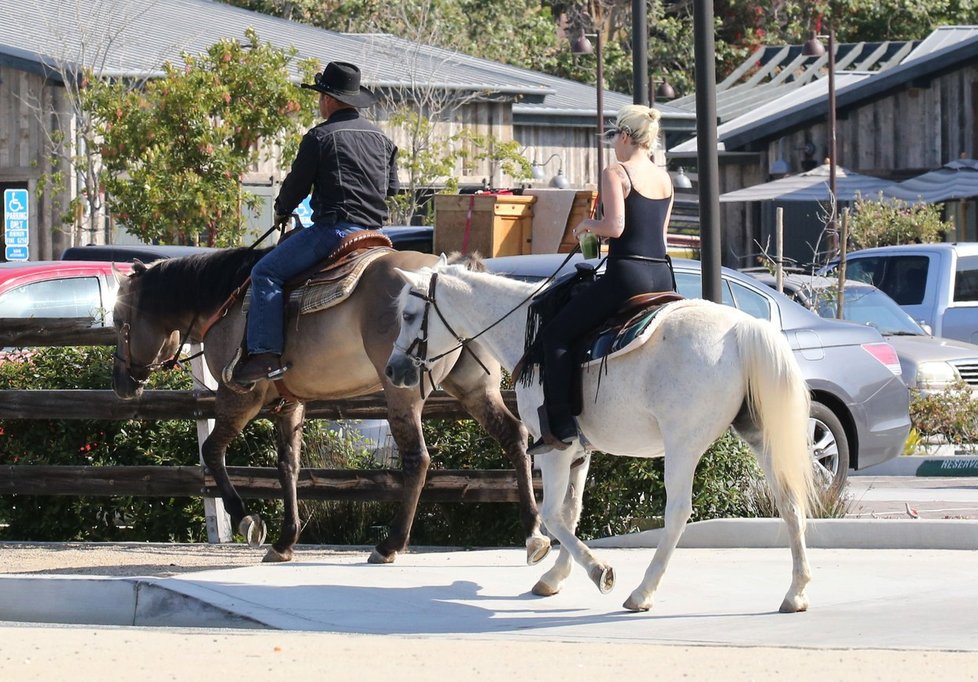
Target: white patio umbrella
(811,185)
(953,181)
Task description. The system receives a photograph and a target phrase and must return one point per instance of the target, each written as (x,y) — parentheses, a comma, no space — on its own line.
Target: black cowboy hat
(341,81)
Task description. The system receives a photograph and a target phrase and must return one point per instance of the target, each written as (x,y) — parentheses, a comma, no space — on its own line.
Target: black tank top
(644,220)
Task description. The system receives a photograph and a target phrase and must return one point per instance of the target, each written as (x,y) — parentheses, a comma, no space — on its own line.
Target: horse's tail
(779,403)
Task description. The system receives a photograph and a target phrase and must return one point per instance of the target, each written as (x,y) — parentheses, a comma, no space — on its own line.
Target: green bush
(949,416)
(105,442)
(884,223)
(622,494)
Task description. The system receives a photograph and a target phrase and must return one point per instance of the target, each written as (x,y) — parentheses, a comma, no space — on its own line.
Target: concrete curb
(822,533)
(924,465)
(83,600)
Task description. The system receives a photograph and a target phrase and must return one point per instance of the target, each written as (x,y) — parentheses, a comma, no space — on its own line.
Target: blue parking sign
(16,224)
(304,211)
(16,253)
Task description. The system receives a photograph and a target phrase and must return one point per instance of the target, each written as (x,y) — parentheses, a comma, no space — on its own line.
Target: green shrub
(622,494)
(874,222)
(949,416)
(105,443)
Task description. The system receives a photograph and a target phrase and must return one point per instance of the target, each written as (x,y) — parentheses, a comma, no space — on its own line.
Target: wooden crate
(582,208)
(501,224)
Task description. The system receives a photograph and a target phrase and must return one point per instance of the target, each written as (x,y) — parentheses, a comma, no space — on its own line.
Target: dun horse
(703,368)
(336,353)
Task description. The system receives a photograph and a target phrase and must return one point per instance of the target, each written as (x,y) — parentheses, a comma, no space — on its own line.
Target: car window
(690,285)
(751,302)
(70,297)
(871,307)
(902,278)
(966,279)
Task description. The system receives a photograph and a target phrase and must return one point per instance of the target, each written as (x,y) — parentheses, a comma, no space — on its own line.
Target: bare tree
(87,40)
(423,111)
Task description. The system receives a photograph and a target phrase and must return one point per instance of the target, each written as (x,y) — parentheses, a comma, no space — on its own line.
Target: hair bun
(654,114)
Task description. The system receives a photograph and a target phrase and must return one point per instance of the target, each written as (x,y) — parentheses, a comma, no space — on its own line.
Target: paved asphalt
(903,610)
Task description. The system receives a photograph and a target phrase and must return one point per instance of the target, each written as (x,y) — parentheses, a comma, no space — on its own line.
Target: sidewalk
(899,599)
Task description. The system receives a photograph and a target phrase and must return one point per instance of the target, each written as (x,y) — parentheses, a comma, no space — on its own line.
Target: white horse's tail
(779,402)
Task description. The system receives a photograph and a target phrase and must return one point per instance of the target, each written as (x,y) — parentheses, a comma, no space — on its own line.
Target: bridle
(417,351)
(173,361)
(420,356)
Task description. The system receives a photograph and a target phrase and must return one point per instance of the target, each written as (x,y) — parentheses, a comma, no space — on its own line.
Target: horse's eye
(407,317)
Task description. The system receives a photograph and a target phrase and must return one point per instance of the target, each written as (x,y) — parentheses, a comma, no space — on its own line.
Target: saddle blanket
(616,341)
(314,295)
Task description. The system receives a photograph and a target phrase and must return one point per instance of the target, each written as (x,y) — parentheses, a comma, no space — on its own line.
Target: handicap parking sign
(16,224)
(304,211)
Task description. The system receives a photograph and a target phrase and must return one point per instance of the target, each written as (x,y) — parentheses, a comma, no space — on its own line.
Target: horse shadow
(457,607)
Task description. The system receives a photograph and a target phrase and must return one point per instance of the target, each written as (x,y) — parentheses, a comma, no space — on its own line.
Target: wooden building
(42,44)
(902,109)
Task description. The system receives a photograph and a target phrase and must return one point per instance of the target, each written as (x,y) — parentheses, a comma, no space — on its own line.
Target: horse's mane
(199,283)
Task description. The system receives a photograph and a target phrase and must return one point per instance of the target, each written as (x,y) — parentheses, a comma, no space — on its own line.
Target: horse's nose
(389,371)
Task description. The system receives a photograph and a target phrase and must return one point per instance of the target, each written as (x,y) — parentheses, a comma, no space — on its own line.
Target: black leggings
(584,313)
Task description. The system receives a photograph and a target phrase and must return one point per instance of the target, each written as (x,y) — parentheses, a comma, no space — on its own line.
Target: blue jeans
(298,253)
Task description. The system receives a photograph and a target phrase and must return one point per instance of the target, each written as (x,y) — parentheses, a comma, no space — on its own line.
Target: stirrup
(547,440)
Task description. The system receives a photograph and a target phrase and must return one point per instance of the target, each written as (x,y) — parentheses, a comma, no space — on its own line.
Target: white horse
(703,368)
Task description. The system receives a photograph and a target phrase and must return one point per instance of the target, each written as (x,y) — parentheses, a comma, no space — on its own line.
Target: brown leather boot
(257,367)
(564,437)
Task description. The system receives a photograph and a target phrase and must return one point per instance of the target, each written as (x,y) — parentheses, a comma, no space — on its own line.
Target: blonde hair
(641,123)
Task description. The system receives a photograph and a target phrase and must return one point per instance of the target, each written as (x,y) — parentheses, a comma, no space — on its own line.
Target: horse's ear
(118,274)
(138,266)
(442,261)
(408,276)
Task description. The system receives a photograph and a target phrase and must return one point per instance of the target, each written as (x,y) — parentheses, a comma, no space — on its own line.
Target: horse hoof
(794,604)
(634,603)
(536,549)
(378,558)
(603,577)
(273,556)
(253,530)
(542,589)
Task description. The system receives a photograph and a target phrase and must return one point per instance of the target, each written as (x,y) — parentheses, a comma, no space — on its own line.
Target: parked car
(403,237)
(937,284)
(58,289)
(928,363)
(860,406)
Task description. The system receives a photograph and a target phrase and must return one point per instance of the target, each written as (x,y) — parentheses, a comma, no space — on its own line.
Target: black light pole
(813,47)
(706,147)
(581,45)
(640,59)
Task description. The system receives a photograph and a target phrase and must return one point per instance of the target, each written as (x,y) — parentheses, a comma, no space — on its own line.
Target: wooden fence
(171,481)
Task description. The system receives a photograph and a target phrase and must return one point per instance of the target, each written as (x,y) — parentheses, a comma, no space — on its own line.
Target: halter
(421,341)
(420,358)
(173,361)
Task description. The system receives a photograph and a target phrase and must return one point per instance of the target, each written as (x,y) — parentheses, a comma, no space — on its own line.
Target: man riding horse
(351,168)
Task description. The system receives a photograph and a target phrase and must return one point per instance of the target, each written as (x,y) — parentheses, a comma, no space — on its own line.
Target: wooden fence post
(218,522)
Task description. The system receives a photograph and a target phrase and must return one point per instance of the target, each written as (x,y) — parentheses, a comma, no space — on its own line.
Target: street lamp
(580,44)
(813,48)
(560,180)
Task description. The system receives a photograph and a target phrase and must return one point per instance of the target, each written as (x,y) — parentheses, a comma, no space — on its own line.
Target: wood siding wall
(28,106)
(908,132)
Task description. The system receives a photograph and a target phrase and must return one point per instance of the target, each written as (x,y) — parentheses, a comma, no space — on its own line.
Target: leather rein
(420,342)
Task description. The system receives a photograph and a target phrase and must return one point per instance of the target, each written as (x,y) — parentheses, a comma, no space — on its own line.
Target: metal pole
(640,58)
(779,249)
(833,161)
(600,85)
(706,147)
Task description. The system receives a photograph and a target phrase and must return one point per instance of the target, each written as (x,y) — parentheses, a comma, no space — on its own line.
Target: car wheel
(830,447)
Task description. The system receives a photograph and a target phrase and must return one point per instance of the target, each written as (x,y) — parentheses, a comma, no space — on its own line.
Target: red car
(65,289)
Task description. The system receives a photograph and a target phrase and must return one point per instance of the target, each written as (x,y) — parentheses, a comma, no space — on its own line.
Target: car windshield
(872,307)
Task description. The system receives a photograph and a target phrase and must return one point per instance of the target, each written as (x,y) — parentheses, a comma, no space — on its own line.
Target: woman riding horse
(637,199)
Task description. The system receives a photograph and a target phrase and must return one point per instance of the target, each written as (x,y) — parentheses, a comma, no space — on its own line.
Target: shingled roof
(135,37)
(789,103)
